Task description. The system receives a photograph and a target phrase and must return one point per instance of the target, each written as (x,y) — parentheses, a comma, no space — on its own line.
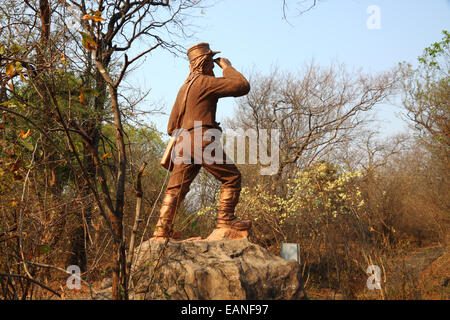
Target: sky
(255,37)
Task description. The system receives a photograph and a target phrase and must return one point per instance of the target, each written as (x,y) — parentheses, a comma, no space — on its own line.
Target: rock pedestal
(213,269)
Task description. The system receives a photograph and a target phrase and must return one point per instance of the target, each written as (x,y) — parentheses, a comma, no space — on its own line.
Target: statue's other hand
(223,62)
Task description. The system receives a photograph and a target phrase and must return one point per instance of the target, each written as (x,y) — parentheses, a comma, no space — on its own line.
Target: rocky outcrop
(222,269)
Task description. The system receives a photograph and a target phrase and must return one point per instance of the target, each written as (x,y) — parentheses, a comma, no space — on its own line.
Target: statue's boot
(226,218)
(164,225)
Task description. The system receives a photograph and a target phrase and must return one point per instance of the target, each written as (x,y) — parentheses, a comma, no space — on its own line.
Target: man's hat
(198,50)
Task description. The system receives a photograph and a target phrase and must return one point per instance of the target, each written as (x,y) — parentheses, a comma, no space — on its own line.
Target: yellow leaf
(52,178)
(11,86)
(98,19)
(81,97)
(10,70)
(14,204)
(106,155)
(24,134)
(22,76)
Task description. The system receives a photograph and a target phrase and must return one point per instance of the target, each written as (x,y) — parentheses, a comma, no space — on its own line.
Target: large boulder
(221,269)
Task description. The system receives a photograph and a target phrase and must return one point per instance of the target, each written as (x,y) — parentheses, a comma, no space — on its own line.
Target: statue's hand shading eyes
(223,62)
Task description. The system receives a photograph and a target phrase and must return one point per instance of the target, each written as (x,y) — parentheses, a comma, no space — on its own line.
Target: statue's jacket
(203,94)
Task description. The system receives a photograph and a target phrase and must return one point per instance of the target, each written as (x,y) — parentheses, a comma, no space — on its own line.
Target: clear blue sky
(254,36)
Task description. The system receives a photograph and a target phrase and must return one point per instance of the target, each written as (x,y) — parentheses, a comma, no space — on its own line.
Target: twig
(22,210)
(30,279)
(42,265)
(137,219)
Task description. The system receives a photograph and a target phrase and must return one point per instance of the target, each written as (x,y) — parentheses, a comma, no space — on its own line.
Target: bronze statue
(197,102)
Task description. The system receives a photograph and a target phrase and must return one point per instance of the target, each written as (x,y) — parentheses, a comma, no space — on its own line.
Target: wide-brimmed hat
(198,50)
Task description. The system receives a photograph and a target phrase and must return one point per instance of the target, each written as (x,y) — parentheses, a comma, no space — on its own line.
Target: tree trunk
(119,275)
(77,251)
(119,272)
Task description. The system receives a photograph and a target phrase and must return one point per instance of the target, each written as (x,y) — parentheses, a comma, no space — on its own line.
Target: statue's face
(203,64)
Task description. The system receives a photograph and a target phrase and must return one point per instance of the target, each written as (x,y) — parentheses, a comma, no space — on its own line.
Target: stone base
(213,270)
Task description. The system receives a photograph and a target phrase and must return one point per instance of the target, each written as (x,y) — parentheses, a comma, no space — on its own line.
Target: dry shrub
(324,211)
(345,221)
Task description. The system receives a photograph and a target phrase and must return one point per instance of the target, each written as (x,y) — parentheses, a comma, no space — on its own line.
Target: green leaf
(90,92)
(107,269)
(122,292)
(18,66)
(87,41)
(27,144)
(167,296)
(44,249)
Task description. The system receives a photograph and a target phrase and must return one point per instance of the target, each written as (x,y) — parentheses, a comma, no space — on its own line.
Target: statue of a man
(194,111)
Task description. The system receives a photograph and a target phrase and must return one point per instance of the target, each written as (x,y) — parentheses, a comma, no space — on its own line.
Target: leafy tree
(426,97)
(64,86)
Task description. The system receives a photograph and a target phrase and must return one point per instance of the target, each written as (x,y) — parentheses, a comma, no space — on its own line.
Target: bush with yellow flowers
(322,209)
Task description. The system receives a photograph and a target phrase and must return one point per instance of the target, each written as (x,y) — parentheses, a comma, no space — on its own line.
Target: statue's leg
(177,188)
(229,175)
(225,217)
(167,213)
